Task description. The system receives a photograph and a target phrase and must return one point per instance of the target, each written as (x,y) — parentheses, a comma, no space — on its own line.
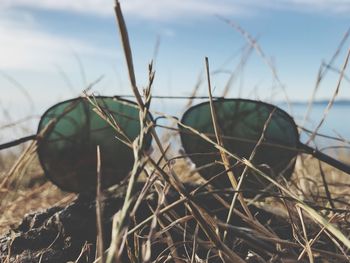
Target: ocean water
(336,124)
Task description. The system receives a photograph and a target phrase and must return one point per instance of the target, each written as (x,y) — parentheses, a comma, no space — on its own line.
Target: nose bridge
(165,117)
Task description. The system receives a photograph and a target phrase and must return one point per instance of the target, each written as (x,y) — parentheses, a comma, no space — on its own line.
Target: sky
(51,50)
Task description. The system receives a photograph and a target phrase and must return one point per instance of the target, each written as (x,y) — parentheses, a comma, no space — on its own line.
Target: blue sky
(45,44)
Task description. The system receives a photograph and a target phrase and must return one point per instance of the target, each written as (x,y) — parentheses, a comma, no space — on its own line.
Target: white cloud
(24,46)
(174,9)
(83,6)
(155,9)
(323,6)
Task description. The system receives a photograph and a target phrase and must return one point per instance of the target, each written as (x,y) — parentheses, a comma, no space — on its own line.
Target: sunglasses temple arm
(325,158)
(17,142)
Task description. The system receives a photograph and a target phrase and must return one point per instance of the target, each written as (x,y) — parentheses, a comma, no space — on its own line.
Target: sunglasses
(70,132)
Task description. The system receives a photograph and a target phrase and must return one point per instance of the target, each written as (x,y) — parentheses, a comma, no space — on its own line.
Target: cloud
(25,46)
(321,6)
(100,7)
(155,9)
(174,9)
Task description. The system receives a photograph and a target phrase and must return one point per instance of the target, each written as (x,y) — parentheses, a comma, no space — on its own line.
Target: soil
(64,234)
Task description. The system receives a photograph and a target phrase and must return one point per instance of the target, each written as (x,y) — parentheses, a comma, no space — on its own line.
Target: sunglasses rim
(268,105)
(47,174)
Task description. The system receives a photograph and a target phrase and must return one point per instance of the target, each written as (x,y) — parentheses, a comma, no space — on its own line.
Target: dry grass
(34,194)
(314,202)
(28,193)
(24,190)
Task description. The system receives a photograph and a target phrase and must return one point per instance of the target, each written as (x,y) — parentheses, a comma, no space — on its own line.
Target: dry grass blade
(91,85)
(321,74)
(317,217)
(83,250)
(120,229)
(312,213)
(220,142)
(252,42)
(146,249)
(22,161)
(246,169)
(81,69)
(159,216)
(18,122)
(66,79)
(336,70)
(127,52)
(194,245)
(307,242)
(108,117)
(99,211)
(325,184)
(204,220)
(195,90)
(331,101)
(312,241)
(162,211)
(23,90)
(128,56)
(239,69)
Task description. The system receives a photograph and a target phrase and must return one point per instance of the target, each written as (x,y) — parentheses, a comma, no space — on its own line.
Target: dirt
(64,234)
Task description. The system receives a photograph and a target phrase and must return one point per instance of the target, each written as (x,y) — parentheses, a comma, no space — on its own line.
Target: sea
(334,132)
(336,124)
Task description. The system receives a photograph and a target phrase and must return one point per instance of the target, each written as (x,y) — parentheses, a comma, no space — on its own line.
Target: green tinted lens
(68,150)
(241,123)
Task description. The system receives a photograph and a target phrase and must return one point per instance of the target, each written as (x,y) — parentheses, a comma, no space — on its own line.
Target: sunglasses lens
(241,124)
(73,130)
